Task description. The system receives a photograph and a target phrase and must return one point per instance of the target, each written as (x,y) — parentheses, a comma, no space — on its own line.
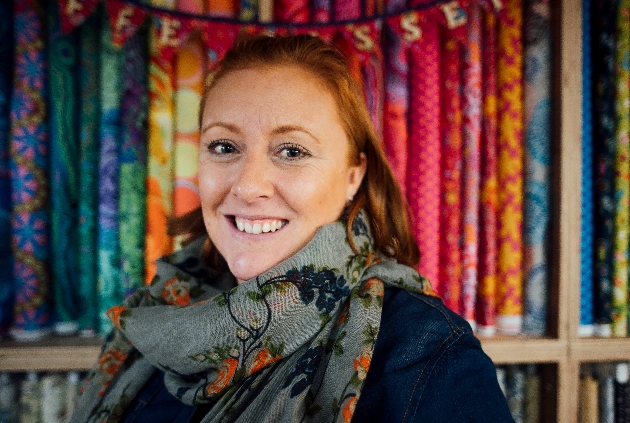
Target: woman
(296,299)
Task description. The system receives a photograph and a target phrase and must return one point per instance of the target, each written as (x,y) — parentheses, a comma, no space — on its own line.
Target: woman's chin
(245,269)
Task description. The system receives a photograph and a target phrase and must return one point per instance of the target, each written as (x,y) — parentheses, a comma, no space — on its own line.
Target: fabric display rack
(504,122)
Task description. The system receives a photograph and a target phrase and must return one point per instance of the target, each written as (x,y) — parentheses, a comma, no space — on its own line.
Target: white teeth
(258,227)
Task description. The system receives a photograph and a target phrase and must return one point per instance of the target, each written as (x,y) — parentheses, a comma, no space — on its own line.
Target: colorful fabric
(423,166)
(89,149)
(189,71)
(30,399)
(586,224)
(109,288)
(63,57)
(622,173)
(510,173)
(515,387)
(537,185)
(531,407)
(471,129)
(6,82)
(396,107)
(347,10)
(133,163)
(29,182)
(248,10)
(372,74)
(486,295)
(160,156)
(225,8)
(322,10)
(604,151)
(304,330)
(450,209)
(53,398)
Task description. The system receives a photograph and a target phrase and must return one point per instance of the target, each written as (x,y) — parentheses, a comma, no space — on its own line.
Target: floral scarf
(293,344)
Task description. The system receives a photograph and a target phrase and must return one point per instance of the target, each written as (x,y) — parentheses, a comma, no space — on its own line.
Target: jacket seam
(454,326)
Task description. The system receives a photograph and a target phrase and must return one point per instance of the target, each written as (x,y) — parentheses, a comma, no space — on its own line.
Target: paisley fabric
(109,162)
(510,146)
(133,163)
(471,128)
(586,223)
(604,151)
(160,156)
(89,148)
(29,182)
(450,210)
(293,343)
(423,166)
(537,183)
(622,173)
(6,83)
(486,295)
(63,58)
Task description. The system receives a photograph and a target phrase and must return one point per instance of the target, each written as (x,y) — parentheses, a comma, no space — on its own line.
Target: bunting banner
(125,20)
(74,12)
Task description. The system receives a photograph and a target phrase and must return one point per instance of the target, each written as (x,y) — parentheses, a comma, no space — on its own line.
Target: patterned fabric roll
(295,11)
(486,295)
(133,164)
(9,401)
(53,398)
(622,394)
(396,109)
(622,173)
(160,157)
(6,77)
(586,232)
(63,56)
(471,162)
(501,375)
(72,392)
(510,174)
(604,153)
(190,6)
(531,408)
(606,382)
(515,387)
(89,146)
(373,83)
(450,213)
(588,400)
(190,66)
(29,160)
(537,109)
(225,8)
(423,166)
(109,288)
(31,399)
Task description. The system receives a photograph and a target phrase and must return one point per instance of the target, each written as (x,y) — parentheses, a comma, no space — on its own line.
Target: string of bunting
(172,27)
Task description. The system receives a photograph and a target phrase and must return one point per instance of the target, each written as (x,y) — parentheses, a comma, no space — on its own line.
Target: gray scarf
(293,344)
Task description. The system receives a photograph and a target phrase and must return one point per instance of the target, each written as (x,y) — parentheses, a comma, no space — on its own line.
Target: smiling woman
(296,297)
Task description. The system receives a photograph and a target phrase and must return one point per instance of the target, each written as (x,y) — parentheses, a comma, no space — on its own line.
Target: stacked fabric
(99,143)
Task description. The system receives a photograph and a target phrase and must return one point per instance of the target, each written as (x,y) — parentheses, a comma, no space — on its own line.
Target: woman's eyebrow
(225,125)
(292,128)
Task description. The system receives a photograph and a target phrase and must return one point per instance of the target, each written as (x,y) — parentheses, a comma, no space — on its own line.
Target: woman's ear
(355,176)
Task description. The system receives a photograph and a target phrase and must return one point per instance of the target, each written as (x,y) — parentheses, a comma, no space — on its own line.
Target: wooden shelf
(521,349)
(600,349)
(54,354)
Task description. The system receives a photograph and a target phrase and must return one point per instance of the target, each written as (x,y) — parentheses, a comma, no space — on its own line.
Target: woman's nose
(253,180)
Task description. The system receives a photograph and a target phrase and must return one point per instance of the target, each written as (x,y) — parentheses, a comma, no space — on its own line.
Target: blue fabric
(427,367)
(6,77)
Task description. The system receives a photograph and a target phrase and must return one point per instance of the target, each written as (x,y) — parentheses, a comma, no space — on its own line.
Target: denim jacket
(427,367)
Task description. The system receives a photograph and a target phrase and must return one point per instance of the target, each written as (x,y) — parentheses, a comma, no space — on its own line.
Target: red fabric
(125,20)
(294,11)
(74,12)
(450,211)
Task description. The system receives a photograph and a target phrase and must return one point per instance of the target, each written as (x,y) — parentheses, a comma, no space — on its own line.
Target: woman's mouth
(258,226)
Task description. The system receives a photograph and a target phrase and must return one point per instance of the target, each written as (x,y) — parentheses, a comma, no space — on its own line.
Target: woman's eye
(221,147)
(292,152)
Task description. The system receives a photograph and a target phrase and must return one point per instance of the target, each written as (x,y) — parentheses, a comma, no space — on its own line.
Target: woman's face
(273,165)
